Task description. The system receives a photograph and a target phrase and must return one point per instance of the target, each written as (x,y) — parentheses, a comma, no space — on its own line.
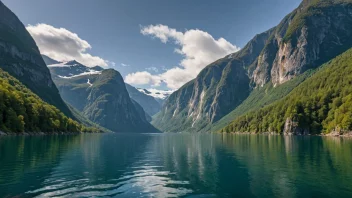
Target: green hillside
(321,104)
(259,98)
(23,111)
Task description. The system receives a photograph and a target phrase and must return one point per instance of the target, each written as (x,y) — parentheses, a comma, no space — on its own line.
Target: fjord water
(173,165)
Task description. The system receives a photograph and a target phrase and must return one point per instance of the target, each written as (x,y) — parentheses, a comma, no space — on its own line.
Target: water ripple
(137,181)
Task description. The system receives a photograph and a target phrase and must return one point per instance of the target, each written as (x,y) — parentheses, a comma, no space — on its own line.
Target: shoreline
(3,134)
(333,134)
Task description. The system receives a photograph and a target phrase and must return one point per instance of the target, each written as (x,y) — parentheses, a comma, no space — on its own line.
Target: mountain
(49,61)
(101,96)
(149,104)
(20,57)
(23,111)
(74,69)
(217,90)
(322,103)
(314,33)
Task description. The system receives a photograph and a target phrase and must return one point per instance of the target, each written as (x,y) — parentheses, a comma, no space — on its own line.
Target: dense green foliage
(23,111)
(260,97)
(323,103)
(20,57)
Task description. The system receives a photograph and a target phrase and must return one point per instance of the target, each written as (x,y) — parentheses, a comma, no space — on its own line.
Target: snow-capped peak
(72,63)
(160,94)
(89,72)
(73,69)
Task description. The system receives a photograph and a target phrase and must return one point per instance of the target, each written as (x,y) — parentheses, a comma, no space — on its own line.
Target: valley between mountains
(294,78)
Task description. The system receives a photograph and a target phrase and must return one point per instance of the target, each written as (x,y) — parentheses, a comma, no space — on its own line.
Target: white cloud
(199,49)
(152,69)
(143,78)
(63,45)
(124,65)
(156,93)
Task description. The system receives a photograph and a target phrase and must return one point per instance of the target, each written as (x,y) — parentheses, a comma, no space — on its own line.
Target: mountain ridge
(102,97)
(312,34)
(322,103)
(20,57)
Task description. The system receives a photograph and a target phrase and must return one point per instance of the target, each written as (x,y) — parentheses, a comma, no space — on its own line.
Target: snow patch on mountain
(161,94)
(89,83)
(63,64)
(90,72)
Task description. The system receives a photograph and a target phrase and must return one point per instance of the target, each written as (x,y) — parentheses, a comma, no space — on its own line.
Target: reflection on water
(174,165)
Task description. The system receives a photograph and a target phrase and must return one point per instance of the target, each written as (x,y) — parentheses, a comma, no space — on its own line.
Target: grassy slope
(322,103)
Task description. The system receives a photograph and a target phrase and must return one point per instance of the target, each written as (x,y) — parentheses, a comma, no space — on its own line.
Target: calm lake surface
(175,165)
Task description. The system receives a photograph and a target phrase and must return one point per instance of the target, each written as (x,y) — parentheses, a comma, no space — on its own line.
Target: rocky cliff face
(217,90)
(49,61)
(291,127)
(20,57)
(316,32)
(103,99)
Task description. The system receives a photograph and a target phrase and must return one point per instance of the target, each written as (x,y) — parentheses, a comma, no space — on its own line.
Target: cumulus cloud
(143,78)
(198,48)
(63,45)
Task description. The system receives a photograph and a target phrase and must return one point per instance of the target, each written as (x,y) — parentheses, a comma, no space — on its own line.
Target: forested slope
(321,104)
(23,111)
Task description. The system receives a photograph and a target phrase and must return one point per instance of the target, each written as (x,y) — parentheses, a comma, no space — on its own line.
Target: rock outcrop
(292,128)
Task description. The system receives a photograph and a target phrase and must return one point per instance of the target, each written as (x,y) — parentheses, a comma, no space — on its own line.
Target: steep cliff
(217,90)
(314,33)
(20,57)
(322,103)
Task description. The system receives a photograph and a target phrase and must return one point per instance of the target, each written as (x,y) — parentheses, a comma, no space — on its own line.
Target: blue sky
(128,32)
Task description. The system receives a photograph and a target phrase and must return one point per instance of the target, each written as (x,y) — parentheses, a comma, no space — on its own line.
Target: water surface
(175,165)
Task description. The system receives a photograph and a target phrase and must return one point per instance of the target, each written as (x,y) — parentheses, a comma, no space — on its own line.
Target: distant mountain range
(102,96)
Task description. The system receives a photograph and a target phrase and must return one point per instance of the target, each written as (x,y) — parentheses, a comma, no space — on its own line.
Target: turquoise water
(175,165)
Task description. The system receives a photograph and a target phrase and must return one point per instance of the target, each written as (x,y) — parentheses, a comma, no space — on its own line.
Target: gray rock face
(20,57)
(49,61)
(314,33)
(216,91)
(321,37)
(292,128)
